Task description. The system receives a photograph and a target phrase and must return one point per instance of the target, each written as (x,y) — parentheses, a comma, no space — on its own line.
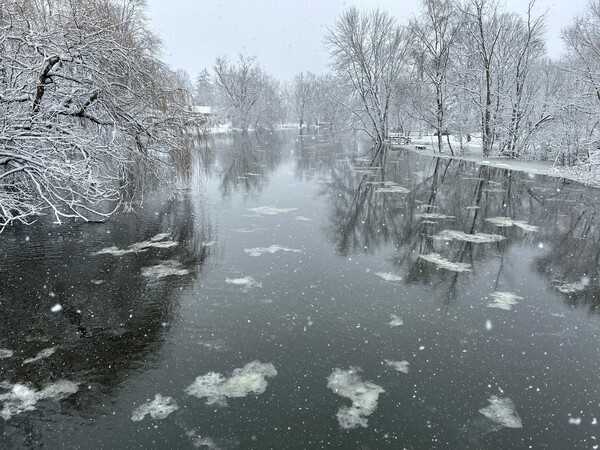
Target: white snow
(502,411)
(45,353)
(56,308)
(400,366)
(303,219)
(248,282)
(5,353)
(157,241)
(443,263)
(164,269)
(504,300)
(216,388)
(364,396)
(396,321)
(271,210)
(571,288)
(574,420)
(388,276)
(508,222)
(433,216)
(23,398)
(257,251)
(159,408)
(477,238)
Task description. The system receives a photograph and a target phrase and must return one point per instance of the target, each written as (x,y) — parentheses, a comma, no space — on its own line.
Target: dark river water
(290,292)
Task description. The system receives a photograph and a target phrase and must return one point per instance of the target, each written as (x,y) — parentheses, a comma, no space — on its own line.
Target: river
(288,291)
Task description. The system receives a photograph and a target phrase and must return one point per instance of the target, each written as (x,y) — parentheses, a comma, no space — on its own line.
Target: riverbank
(473,153)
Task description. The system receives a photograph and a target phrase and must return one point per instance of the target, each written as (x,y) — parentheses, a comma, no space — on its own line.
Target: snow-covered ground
(472,151)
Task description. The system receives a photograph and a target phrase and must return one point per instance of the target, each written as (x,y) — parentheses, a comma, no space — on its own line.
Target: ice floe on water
(165,269)
(396,321)
(157,241)
(504,300)
(303,219)
(45,353)
(443,263)
(159,408)
(247,230)
(388,276)
(364,396)
(202,441)
(389,187)
(270,210)
(503,412)
(21,398)
(209,244)
(573,288)
(247,282)
(257,251)
(508,222)
(477,238)
(5,353)
(400,366)
(434,216)
(216,388)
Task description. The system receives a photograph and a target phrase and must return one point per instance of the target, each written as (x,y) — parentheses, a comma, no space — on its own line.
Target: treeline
(467,68)
(86,107)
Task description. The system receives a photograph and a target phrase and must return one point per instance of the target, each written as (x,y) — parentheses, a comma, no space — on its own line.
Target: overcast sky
(287,35)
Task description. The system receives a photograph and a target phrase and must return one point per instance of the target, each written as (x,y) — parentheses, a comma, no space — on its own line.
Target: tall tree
(368,50)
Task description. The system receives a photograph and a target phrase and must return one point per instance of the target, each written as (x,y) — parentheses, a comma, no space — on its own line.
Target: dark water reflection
(319,302)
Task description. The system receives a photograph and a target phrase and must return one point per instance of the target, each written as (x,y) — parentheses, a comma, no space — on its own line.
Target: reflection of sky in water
(345,289)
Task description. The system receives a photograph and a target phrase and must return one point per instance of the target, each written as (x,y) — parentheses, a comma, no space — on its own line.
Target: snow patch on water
(400,366)
(503,412)
(303,219)
(245,380)
(45,353)
(271,210)
(571,288)
(364,396)
(477,238)
(157,241)
(257,251)
(396,321)
(164,269)
(159,408)
(247,230)
(388,276)
(434,216)
(22,398)
(508,222)
(504,300)
(5,353)
(246,282)
(443,263)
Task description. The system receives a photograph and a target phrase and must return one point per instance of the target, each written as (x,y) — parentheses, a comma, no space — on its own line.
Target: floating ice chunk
(5,353)
(270,210)
(396,321)
(245,380)
(388,276)
(434,216)
(471,207)
(571,288)
(45,353)
(56,308)
(477,238)
(22,398)
(400,366)
(392,188)
(508,222)
(202,442)
(488,325)
(364,396)
(159,408)
(574,420)
(247,282)
(157,241)
(257,251)
(209,244)
(164,269)
(97,282)
(303,219)
(504,300)
(443,263)
(502,411)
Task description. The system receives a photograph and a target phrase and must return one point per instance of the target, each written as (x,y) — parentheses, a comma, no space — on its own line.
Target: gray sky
(287,35)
